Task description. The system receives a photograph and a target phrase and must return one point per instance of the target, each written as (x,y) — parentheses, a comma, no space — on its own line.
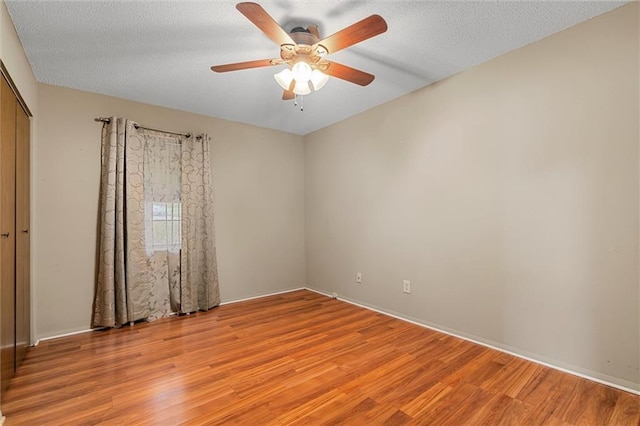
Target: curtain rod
(138,126)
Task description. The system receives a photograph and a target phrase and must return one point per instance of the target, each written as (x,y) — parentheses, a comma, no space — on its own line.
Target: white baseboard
(44,339)
(627,387)
(228,302)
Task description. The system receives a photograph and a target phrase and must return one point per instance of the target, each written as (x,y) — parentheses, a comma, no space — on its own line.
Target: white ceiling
(159,52)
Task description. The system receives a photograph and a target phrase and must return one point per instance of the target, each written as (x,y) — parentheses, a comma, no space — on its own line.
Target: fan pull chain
(295,102)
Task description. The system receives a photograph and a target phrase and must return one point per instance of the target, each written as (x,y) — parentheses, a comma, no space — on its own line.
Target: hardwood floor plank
(296,358)
(511,379)
(600,406)
(468,412)
(338,411)
(503,410)
(447,406)
(626,411)
(398,418)
(381,414)
(577,404)
(303,411)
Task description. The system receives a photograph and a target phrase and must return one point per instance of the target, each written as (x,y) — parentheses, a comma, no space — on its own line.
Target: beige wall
(507,194)
(259,190)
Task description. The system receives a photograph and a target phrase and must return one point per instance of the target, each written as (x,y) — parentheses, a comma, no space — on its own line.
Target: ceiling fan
(304,52)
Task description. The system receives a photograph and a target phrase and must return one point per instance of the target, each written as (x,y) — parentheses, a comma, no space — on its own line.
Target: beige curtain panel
(198,256)
(123,273)
(162,192)
(133,272)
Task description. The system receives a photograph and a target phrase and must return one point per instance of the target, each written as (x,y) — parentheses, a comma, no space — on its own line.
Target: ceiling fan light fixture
(318,79)
(301,72)
(284,78)
(302,88)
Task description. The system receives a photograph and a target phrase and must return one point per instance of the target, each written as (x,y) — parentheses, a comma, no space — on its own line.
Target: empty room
(319,212)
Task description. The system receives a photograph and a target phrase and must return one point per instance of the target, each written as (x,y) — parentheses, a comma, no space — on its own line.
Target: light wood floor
(296,358)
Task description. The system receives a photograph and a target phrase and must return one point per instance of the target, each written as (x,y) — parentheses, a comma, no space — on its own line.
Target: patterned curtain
(163,215)
(156,239)
(124,281)
(199,281)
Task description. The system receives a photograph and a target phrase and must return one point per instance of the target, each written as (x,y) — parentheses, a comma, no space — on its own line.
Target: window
(167,221)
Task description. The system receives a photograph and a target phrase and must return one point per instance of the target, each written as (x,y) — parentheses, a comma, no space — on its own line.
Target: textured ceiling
(159,52)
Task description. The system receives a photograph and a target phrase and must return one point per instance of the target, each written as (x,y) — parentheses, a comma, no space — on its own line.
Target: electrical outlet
(359,277)
(406,286)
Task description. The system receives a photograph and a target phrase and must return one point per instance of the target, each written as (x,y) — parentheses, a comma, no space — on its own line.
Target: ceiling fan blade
(287,95)
(360,31)
(349,74)
(246,65)
(261,19)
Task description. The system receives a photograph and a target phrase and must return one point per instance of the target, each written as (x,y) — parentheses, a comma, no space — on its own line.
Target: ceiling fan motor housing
(303,36)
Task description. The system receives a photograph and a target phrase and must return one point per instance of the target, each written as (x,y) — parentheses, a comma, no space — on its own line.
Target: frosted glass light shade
(284,78)
(302,88)
(318,79)
(301,72)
